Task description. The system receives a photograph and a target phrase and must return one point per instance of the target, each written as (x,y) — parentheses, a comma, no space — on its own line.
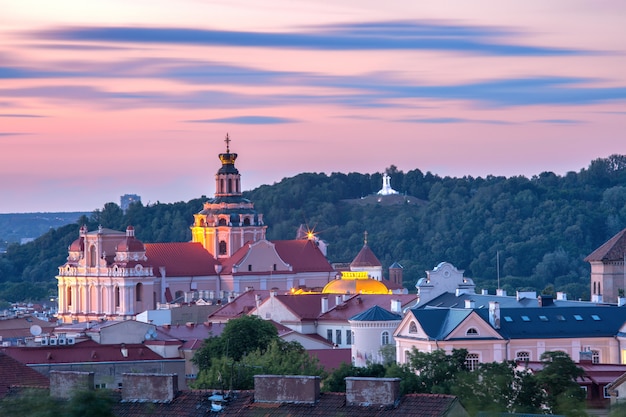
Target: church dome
(355,286)
(130,243)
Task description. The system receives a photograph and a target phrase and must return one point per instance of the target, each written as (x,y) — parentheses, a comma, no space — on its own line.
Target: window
(543,318)
(138,291)
(471,361)
(412,327)
(508,319)
(606,392)
(353,338)
(246,221)
(222,247)
(578,317)
(596,317)
(249,268)
(525,318)
(384,338)
(117,296)
(471,332)
(329,335)
(338,337)
(222,222)
(595,356)
(560,318)
(522,356)
(348,337)
(92,256)
(69,296)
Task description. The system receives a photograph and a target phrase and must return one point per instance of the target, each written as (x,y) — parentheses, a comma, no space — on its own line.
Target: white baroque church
(111,274)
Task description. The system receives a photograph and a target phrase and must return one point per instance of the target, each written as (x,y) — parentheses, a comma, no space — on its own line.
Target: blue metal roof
(376,313)
(529,322)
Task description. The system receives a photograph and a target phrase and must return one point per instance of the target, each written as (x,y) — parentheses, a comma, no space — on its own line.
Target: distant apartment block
(127,199)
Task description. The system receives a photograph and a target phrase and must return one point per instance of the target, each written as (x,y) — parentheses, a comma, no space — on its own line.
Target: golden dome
(355,286)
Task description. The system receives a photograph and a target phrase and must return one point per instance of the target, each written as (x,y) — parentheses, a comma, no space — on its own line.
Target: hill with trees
(540,228)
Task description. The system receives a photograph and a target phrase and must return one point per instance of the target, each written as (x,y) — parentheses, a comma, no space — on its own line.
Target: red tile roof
(240,306)
(20,327)
(181,259)
(612,250)
(365,258)
(305,306)
(331,359)
(303,255)
(15,373)
(330,404)
(362,302)
(88,351)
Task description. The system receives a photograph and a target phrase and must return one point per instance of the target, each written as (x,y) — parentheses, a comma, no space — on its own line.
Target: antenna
(35,330)
(498,266)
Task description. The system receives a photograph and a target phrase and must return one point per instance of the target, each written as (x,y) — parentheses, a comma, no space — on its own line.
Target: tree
(437,371)
(558,379)
(498,387)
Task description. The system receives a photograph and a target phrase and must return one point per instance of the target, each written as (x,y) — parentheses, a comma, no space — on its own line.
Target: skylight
(508,318)
(596,317)
(525,318)
(560,318)
(578,317)
(543,318)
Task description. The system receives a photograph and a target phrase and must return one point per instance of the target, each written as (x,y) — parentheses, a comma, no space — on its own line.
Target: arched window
(92,256)
(595,356)
(471,332)
(246,221)
(412,327)
(471,361)
(138,291)
(522,356)
(69,296)
(222,222)
(384,338)
(222,247)
(117,296)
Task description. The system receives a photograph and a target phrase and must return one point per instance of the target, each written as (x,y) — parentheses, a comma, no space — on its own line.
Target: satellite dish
(35,330)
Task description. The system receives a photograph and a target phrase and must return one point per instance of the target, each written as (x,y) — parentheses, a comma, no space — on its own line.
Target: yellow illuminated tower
(228,220)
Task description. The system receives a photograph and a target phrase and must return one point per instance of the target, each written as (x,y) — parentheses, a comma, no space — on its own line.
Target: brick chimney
(160,388)
(64,383)
(372,391)
(286,389)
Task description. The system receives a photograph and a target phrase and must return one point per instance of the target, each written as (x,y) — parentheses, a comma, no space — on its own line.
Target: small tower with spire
(365,260)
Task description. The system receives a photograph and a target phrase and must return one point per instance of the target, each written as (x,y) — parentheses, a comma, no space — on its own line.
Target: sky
(104,98)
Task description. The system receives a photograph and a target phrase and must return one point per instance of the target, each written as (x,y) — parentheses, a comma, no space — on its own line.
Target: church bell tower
(228,220)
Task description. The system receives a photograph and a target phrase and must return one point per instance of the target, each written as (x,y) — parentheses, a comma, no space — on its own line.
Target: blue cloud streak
(393,35)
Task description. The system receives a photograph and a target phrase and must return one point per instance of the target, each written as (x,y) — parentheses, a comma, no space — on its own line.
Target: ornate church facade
(111,274)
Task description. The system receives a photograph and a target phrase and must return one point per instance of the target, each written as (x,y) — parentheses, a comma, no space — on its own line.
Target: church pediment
(261,256)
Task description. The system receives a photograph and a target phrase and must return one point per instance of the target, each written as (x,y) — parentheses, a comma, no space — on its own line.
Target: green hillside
(541,227)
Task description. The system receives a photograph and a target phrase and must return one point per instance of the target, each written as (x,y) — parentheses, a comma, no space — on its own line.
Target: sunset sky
(104,98)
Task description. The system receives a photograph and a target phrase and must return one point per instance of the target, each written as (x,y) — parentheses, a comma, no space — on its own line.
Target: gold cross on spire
(227,140)
(365,238)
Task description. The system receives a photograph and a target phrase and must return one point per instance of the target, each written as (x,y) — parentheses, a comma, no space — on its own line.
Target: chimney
(337,300)
(372,391)
(561,296)
(396,306)
(494,314)
(64,383)
(470,303)
(324,305)
(160,388)
(500,292)
(296,389)
(545,300)
(485,292)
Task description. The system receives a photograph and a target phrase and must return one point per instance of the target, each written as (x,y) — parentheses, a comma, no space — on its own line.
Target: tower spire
(365,238)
